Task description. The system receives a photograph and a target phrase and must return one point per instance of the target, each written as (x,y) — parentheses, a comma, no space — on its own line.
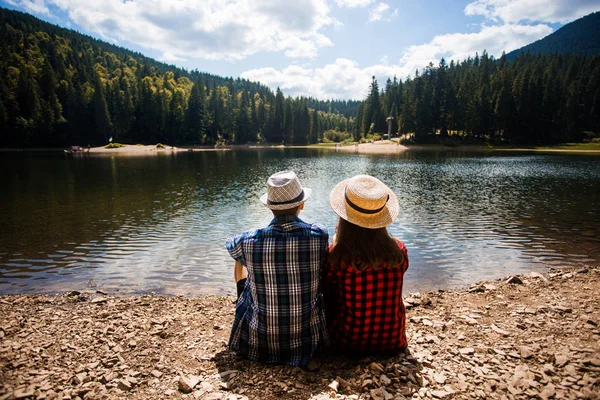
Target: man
(279,316)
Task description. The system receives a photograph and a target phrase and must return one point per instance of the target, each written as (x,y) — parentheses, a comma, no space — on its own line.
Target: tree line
(60,88)
(535,99)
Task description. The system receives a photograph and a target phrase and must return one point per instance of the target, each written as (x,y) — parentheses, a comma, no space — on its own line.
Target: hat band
(364,210)
(294,200)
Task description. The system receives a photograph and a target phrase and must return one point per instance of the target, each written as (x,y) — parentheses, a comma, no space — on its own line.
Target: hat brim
(307,193)
(337,200)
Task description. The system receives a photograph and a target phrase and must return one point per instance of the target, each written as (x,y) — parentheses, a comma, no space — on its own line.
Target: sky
(327,49)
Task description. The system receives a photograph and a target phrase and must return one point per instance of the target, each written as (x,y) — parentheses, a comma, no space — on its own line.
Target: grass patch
(595,146)
(160,146)
(113,145)
(572,146)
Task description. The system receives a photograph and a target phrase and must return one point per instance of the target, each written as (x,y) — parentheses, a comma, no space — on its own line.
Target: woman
(362,282)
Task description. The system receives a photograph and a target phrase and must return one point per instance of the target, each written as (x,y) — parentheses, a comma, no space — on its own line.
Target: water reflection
(159,223)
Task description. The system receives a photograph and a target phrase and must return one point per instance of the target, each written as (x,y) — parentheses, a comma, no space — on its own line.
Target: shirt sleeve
(234,247)
(405,252)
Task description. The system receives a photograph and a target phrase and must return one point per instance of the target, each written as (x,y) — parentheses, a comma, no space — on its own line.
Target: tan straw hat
(284,191)
(364,201)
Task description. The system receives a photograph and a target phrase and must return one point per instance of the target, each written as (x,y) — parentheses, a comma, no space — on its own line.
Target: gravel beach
(531,336)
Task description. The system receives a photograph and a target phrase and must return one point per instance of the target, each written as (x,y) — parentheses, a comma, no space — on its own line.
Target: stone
(592,361)
(526,352)
(99,300)
(23,393)
(227,375)
(548,392)
(187,383)
(439,378)
(560,360)
(156,373)
(440,394)
(80,378)
(380,394)
(376,367)
(469,320)
(548,369)
(515,280)
(499,331)
(124,385)
(467,351)
(385,381)
(334,385)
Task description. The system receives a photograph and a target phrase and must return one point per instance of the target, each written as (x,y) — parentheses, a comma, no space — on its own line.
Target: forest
(535,99)
(60,88)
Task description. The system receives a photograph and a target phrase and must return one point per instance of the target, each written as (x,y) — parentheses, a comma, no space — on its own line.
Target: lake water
(159,223)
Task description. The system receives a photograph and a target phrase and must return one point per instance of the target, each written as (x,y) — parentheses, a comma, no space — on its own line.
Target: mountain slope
(59,87)
(581,37)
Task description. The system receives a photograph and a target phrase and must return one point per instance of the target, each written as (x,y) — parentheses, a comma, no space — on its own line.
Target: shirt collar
(282,219)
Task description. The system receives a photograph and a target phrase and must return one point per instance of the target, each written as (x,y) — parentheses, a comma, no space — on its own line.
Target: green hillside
(61,88)
(580,37)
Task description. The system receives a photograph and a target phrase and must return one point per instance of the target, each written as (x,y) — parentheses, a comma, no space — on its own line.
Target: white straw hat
(364,201)
(284,191)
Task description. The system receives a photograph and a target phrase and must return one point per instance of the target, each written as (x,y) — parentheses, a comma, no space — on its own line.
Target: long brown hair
(361,247)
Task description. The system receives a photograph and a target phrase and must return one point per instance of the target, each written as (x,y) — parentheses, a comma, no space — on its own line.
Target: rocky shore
(531,336)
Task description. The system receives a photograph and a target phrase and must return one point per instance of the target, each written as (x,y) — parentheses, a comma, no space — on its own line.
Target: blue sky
(321,48)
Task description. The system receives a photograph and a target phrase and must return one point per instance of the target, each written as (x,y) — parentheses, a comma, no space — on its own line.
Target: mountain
(580,37)
(59,87)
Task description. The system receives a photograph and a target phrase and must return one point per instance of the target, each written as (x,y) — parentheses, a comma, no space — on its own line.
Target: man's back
(279,316)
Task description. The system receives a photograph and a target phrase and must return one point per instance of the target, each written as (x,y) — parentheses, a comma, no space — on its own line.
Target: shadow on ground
(330,373)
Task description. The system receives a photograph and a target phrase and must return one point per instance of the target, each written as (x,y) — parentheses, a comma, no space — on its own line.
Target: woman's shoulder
(401,244)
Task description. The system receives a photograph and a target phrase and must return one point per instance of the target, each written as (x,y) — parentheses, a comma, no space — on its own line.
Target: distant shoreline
(378,147)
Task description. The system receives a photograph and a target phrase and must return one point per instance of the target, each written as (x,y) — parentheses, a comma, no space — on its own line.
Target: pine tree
(288,123)
(196,116)
(102,122)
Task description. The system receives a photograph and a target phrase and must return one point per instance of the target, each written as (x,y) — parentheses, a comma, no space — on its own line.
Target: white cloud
(459,46)
(353,3)
(549,11)
(381,12)
(208,29)
(35,6)
(344,79)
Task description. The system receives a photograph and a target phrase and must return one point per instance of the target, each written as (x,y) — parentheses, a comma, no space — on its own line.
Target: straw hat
(284,191)
(364,201)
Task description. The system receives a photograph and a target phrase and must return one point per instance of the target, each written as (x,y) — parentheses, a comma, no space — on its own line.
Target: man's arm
(239,271)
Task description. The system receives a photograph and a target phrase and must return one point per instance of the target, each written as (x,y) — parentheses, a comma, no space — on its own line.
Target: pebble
(530,340)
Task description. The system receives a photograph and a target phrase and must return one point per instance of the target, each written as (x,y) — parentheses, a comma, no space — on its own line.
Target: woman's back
(364,308)
(362,280)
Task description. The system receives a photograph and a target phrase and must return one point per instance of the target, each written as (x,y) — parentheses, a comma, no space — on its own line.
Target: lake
(158,224)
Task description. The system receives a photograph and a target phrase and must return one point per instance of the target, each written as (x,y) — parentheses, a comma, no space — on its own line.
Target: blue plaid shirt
(280,316)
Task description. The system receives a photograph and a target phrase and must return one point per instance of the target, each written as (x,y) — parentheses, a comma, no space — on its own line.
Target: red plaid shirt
(364,309)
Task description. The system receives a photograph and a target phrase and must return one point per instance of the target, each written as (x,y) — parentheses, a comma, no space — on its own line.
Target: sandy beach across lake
(130,149)
(376,147)
(534,336)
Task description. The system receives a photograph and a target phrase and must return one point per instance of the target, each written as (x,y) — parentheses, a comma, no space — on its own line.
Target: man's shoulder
(318,228)
(241,237)
(315,228)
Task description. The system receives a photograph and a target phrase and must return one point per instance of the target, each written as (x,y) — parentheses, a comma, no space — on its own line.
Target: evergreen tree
(196,115)
(288,123)
(102,122)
